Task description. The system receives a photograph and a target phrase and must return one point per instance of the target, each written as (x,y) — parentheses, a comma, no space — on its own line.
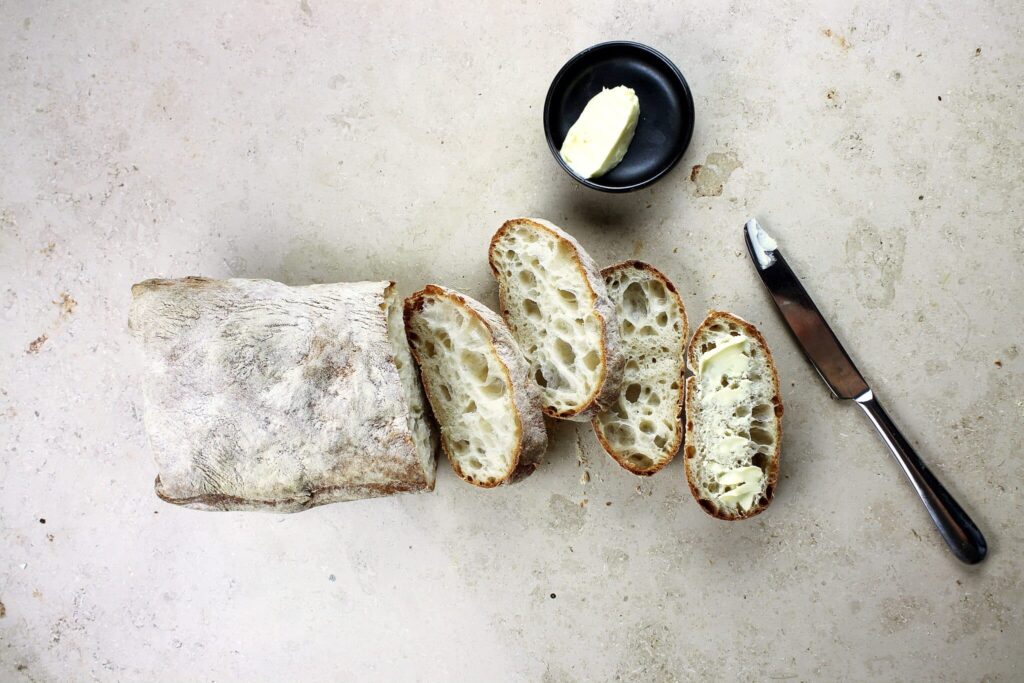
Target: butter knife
(834,366)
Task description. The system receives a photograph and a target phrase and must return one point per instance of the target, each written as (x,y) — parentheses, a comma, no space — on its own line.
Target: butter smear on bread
(598,140)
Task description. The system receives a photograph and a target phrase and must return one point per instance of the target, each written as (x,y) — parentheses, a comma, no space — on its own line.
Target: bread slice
(642,430)
(479,386)
(554,300)
(733,418)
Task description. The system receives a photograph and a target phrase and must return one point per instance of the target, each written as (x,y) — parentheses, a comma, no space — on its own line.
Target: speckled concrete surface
(309,141)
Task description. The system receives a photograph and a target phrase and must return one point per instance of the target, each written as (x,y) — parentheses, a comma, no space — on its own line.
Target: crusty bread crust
(693,408)
(612,359)
(533,438)
(674,446)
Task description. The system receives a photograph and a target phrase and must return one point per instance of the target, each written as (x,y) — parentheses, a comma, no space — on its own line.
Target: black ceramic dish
(666,110)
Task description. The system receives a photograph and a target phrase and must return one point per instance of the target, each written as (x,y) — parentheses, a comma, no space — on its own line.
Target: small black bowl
(666,110)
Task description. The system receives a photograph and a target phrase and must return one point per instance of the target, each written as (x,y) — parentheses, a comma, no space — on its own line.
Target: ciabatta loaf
(733,418)
(261,396)
(642,429)
(554,300)
(479,386)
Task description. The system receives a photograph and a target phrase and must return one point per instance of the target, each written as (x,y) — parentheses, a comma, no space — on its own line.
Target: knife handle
(958,531)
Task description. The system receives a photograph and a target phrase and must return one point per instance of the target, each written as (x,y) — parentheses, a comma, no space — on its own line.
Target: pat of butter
(725,360)
(731,448)
(598,140)
(747,481)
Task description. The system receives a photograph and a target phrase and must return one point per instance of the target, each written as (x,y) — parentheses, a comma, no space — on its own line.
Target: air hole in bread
(647,331)
(660,440)
(475,463)
(713,487)
(632,365)
(646,426)
(641,461)
(657,291)
(446,392)
(741,411)
(445,340)
(653,400)
(568,297)
(430,349)
(495,388)
(661,319)
(761,436)
(690,450)
(769,491)
(592,360)
(564,352)
(538,376)
(470,407)
(717,327)
(624,435)
(760,460)
(634,301)
(627,327)
(632,393)
(476,363)
(527,278)
(707,505)
(531,308)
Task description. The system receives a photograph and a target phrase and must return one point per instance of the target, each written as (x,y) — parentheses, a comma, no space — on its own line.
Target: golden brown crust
(611,359)
(674,447)
(530,446)
(772,475)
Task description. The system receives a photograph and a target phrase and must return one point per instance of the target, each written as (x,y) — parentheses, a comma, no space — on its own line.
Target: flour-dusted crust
(611,360)
(261,396)
(696,450)
(527,417)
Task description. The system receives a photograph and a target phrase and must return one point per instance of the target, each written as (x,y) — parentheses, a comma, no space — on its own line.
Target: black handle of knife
(959,532)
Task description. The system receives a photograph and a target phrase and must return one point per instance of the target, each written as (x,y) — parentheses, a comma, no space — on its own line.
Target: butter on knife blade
(598,140)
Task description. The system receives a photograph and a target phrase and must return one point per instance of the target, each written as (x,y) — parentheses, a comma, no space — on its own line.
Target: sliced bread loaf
(554,300)
(261,396)
(479,387)
(642,429)
(733,418)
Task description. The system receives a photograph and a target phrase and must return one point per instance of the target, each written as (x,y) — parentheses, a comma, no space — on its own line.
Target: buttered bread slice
(733,418)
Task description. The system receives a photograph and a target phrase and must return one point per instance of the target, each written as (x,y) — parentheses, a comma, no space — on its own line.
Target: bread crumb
(37,344)
(585,477)
(67,304)
(999,363)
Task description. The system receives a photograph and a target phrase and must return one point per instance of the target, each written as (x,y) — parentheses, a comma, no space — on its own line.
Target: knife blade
(821,347)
